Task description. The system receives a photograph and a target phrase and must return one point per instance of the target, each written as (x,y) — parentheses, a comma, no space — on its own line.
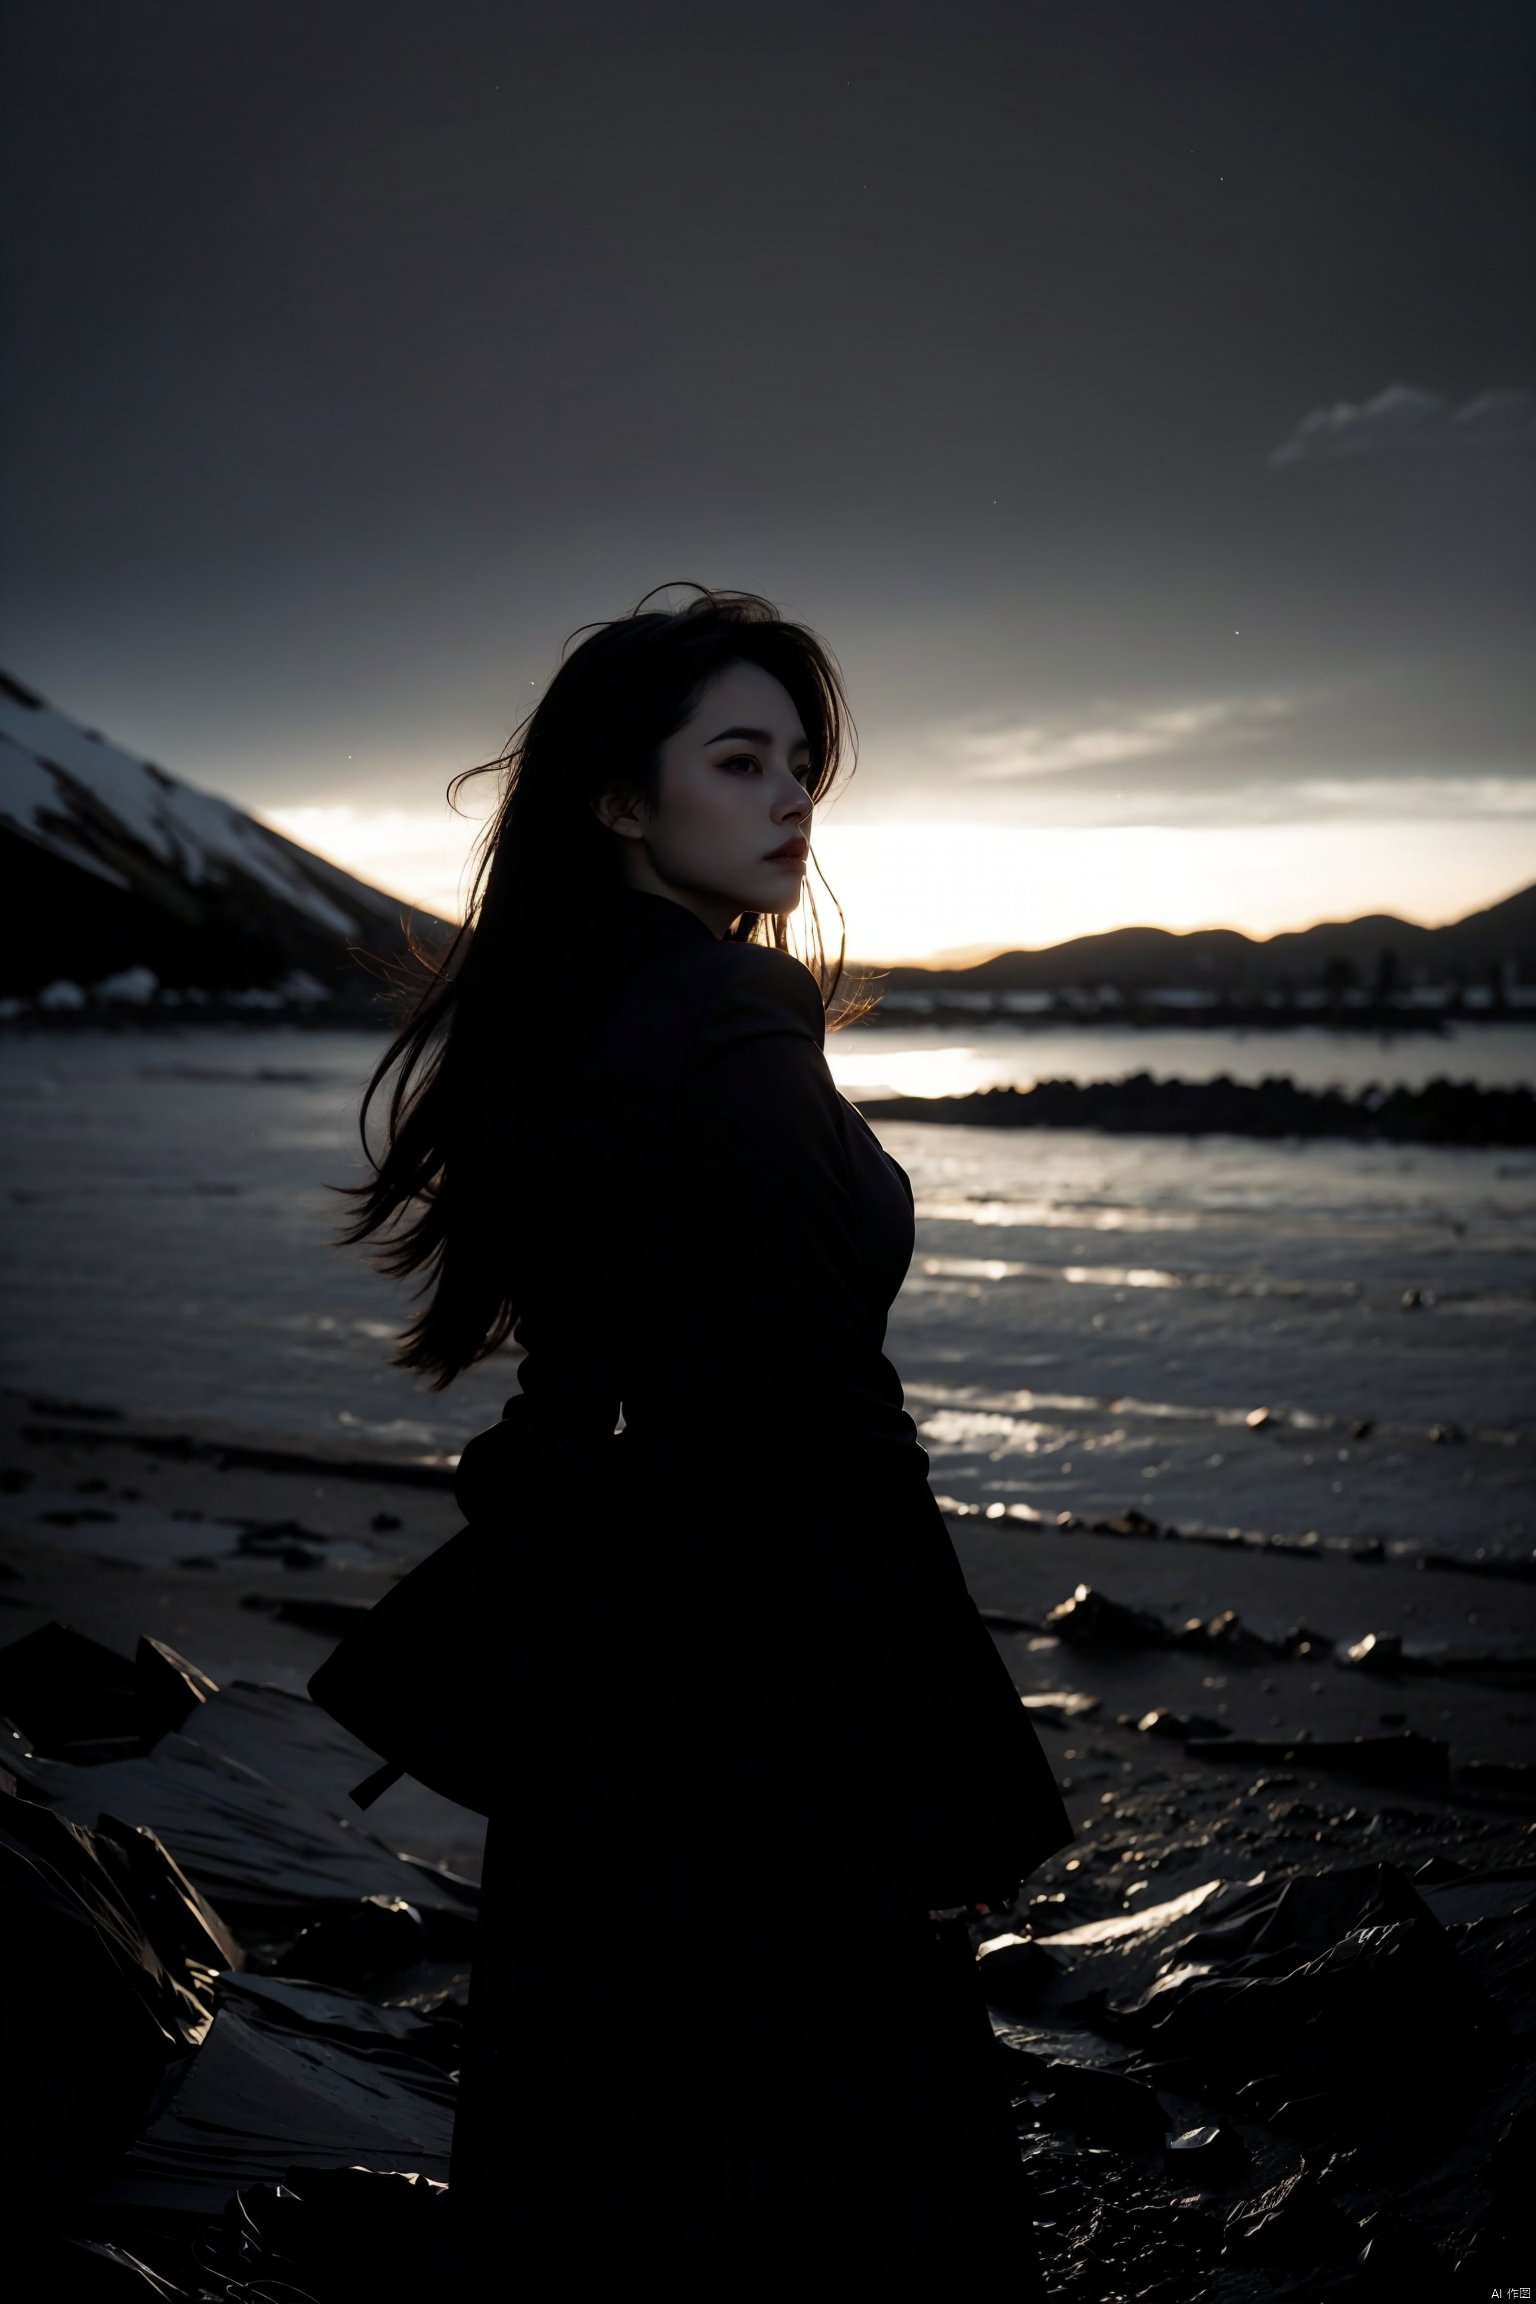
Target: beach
(1425,1776)
(1233,1444)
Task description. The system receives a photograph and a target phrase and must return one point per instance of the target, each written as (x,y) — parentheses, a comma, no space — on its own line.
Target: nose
(796,809)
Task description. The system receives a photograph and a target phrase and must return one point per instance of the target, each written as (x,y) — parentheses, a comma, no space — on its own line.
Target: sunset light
(919,891)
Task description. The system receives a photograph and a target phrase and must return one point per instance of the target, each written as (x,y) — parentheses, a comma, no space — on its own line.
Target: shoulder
(684,1008)
(755,989)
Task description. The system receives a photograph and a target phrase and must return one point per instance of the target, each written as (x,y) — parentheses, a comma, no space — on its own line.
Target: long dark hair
(543,890)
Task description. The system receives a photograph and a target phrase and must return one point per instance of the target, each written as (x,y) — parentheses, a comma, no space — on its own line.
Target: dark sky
(1140,398)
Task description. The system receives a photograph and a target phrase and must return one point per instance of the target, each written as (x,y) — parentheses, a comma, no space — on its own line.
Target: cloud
(1403,419)
(1427,736)
(1415,798)
(1251,793)
(1085,750)
(1435,733)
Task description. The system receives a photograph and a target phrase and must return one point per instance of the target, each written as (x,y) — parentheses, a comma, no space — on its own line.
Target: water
(1088,1324)
(948,1060)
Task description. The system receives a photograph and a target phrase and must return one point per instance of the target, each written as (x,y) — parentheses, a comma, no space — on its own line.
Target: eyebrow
(758,736)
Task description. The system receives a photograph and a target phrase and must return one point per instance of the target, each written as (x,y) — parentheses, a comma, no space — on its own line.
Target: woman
(753,1735)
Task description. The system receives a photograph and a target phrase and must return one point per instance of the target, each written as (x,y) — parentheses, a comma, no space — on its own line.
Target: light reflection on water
(942,1060)
(1327,1282)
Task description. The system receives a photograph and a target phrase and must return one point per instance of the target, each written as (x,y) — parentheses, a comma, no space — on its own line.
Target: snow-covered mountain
(130,885)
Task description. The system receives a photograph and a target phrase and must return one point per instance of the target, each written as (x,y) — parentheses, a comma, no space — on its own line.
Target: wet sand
(192,1543)
(203,1552)
(116,1531)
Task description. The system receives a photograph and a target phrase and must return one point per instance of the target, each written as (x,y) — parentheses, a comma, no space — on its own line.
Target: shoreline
(78,1425)
(1210,1741)
(257,1547)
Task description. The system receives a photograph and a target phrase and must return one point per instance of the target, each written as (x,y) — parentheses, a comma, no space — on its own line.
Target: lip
(790,852)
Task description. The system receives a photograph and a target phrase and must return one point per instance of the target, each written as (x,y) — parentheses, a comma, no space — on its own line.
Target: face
(729,792)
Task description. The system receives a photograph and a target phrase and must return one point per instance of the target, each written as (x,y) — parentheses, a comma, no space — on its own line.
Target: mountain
(119,870)
(123,873)
(1378,952)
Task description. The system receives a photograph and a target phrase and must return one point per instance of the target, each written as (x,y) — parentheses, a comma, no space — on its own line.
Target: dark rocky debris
(1300,2068)
(1441,1112)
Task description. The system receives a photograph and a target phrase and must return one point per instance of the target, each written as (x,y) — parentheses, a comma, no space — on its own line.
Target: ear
(618,815)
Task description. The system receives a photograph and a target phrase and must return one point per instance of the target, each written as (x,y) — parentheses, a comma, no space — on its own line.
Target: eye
(805,775)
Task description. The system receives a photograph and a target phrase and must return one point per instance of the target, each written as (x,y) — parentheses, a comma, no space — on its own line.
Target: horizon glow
(918,893)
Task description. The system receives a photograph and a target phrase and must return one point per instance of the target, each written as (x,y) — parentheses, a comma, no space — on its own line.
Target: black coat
(741,1631)
(754,1726)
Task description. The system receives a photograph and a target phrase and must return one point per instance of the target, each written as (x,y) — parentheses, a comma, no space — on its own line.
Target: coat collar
(643,909)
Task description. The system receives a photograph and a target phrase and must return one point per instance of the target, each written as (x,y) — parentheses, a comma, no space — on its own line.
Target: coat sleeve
(773,1327)
(768,1418)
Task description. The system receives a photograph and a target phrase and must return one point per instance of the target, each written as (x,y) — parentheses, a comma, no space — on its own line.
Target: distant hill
(119,870)
(1378,956)
(132,886)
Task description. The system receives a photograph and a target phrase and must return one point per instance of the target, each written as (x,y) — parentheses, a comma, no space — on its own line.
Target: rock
(1181,1725)
(339,2233)
(267,1858)
(1130,1522)
(1106,2107)
(1014,1974)
(378,1936)
(72,1697)
(1211,2154)
(79,1701)
(1225,1631)
(1293,2223)
(1345,1985)
(1087,1618)
(1377,1652)
(168,1688)
(96,2009)
(280,2086)
(1060,1707)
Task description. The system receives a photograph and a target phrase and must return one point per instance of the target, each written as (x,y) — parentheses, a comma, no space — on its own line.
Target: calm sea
(1088,1324)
